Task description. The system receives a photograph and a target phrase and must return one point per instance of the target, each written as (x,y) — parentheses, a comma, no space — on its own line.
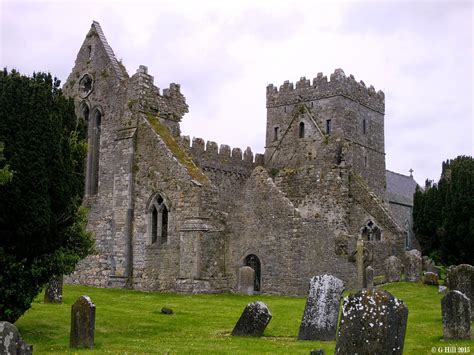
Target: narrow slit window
(301,132)
(364,126)
(365,160)
(328,127)
(275,133)
(92,179)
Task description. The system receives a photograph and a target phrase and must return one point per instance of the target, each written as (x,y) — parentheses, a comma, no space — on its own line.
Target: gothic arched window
(158,220)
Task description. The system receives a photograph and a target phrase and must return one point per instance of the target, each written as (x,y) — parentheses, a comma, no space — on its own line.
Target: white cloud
(225,53)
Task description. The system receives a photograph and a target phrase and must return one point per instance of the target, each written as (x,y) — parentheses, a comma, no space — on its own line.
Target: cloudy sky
(225,53)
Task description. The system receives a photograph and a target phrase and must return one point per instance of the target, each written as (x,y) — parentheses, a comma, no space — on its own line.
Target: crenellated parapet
(321,87)
(170,106)
(211,156)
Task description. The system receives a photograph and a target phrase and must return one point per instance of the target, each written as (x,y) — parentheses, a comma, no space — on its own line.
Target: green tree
(443,214)
(5,173)
(42,224)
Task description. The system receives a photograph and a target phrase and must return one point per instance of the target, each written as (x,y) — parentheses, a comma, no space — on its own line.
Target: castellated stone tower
(174,214)
(324,122)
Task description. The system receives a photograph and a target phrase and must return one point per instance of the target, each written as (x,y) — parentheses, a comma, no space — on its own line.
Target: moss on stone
(181,155)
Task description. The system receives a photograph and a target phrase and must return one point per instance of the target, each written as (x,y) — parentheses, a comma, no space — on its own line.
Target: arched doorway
(254,262)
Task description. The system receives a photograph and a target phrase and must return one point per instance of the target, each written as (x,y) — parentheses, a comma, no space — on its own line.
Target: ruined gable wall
(107,93)
(291,249)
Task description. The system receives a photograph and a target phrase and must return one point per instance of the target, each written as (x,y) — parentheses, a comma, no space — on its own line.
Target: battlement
(320,88)
(209,155)
(171,105)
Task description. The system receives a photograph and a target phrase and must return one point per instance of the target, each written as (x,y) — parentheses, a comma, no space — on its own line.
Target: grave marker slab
(322,308)
(456,310)
(461,278)
(253,321)
(246,280)
(82,323)
(393,269)
(54,290)
(11,341)
(372,322)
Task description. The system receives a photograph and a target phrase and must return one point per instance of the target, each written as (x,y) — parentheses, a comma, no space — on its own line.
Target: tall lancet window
(92,178)
(158,220)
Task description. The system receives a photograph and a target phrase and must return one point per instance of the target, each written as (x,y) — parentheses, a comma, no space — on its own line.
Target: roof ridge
(394,172)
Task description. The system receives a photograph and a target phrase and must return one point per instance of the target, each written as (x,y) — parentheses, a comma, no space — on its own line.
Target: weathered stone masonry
(174,215)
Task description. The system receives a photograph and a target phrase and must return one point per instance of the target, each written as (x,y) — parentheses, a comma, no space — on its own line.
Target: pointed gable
(119,71)
(95,57)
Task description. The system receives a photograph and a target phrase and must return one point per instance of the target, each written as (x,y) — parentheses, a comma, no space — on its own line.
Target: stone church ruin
(173,215)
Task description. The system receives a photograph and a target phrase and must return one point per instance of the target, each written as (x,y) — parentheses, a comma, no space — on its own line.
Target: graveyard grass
(131,322)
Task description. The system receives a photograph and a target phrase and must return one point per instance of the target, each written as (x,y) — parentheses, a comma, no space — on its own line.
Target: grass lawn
(131,322)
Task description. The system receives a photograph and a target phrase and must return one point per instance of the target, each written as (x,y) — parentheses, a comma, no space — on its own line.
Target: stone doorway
(254,262)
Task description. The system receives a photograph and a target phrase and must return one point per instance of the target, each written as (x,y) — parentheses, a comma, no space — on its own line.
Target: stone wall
(291,249)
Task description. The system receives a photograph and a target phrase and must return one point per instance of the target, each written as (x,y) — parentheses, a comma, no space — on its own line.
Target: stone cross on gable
(411,172)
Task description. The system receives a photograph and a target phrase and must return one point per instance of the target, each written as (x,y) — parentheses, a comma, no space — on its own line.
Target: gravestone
(456,310)
(322,308)
(317,352)
(442,289)
(430,278)
(428,265)
(11,341)
(393,269)
(246,280)
(166,310)
(412,266)
(372,322)
(461,278)
(54,290)
(369,277)
(253,321)
(82,323)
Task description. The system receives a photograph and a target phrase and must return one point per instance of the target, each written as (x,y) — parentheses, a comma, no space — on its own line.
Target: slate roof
(400,188)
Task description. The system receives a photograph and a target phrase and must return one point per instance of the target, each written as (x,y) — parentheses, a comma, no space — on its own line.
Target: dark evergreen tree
(42,225)
(443,214)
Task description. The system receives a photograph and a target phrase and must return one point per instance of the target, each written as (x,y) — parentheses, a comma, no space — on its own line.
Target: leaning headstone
(430,278)
(372,322)
(54,290)
(369,277)
(461,278)
(393,269)
(456,308)
(246,280)
(11,341)
(412,266)
(322,308)
(82,323)
(253,321)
